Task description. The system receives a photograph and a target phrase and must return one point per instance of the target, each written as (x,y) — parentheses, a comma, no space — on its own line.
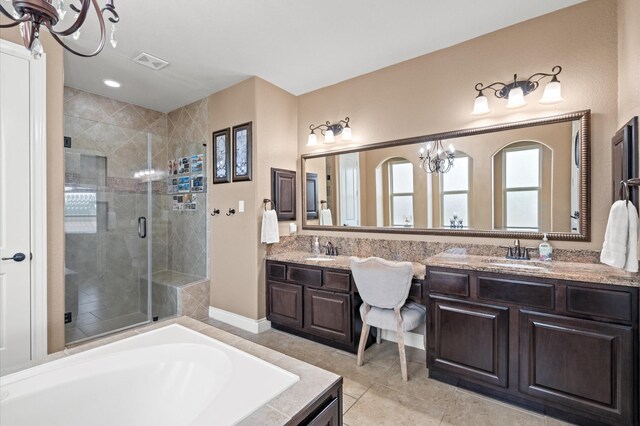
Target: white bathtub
(169,376)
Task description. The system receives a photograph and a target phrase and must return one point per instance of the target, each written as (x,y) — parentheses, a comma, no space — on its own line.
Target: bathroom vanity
(560,338)
(318,299)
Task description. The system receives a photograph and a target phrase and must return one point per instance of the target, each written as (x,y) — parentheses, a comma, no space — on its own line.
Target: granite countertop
(337,262)
(597,273)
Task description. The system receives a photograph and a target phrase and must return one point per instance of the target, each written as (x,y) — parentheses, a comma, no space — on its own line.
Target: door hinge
(68,317)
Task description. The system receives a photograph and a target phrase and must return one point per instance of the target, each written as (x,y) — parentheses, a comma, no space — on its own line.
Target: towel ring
(627,184)
(626,191)
(266,201)
(323,202)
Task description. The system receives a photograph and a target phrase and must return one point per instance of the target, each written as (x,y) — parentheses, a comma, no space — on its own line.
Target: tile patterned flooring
(375,393)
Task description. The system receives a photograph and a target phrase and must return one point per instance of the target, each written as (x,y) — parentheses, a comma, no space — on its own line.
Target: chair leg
(363,342)
(403,357)
(379,336)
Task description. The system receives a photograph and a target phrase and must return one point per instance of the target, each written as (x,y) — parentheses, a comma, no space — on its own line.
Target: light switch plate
(241,206)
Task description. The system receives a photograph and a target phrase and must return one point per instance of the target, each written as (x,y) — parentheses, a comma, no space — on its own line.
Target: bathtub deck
(290,407)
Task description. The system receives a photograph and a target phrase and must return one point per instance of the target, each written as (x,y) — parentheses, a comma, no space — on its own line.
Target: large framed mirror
(514,180)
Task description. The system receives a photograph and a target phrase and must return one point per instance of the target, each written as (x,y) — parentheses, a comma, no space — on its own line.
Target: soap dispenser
(545,250)
(316,247)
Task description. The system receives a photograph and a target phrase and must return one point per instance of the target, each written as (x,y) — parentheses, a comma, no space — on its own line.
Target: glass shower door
(108,232)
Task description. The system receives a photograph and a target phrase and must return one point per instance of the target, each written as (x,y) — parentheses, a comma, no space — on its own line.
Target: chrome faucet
(330,249)
(518,252)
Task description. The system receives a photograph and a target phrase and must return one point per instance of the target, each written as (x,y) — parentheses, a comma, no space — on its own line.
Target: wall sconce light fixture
(436,160)
(516,91)
(330,131)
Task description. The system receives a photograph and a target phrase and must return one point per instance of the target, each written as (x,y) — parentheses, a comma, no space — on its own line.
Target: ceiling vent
(150,61)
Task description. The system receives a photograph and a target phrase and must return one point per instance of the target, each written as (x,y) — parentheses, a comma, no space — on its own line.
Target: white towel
(620,247)
(270,233)
(325,217)
(631,264)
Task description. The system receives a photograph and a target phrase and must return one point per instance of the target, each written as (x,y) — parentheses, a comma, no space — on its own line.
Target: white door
(349,189)
(15,238)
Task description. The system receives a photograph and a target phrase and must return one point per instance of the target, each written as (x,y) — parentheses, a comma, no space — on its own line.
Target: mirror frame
(585,184)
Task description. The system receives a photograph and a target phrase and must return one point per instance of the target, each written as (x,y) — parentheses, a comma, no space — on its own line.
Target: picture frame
(222,156)
(242,152)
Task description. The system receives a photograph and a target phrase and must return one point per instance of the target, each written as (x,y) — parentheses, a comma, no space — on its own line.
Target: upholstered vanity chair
(384,288)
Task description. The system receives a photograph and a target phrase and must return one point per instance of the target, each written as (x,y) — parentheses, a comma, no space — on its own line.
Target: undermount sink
(320,259)
(517,265)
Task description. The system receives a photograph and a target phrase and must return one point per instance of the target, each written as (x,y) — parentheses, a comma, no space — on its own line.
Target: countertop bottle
(545,250)
(316,247)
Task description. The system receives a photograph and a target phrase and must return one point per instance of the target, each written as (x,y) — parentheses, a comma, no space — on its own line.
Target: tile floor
(375,393)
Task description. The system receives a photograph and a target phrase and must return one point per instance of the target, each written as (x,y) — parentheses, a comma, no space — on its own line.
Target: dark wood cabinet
(470,339)
(283,193)
(284,303)
(568,349)
(328,314)
(319,303)
(578,363)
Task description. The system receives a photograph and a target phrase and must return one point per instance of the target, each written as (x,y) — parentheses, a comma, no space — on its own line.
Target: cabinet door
(586,365)
(469,340)
(328,314)
(283,193)
(284,304)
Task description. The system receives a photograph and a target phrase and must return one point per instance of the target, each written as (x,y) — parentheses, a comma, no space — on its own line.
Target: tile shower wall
(187,132)
(109,142)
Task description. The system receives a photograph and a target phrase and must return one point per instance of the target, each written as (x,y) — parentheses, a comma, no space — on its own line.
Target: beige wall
(628,60)
(233,247)
(435,92)
(55,186)
(237,257)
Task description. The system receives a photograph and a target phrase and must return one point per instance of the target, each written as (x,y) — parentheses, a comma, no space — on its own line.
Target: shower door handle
(142,227)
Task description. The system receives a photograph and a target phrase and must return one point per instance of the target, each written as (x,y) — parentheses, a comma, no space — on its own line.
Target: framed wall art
(242,161)
(222,156)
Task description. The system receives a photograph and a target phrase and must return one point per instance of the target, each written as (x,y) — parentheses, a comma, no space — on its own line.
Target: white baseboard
(414,340)
(244,323)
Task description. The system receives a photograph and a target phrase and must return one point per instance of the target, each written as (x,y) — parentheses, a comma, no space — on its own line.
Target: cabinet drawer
(449,283)
(329,416)
(337,280)
(303,275)
(518,292)
(276,270)
(616,305)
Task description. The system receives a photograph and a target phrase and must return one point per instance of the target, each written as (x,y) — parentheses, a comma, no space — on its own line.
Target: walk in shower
(135,219)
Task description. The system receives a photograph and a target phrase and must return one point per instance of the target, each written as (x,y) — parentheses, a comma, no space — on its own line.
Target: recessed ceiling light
(111,83)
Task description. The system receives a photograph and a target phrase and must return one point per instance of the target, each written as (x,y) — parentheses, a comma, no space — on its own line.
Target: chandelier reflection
(434,159)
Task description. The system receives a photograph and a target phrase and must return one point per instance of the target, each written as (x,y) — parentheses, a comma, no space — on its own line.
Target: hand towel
(270,233)
(621,237)
(631,262)
(325,217)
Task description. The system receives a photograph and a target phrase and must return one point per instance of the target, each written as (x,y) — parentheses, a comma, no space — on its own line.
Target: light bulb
(312,140)
(346,134)
(451,149)
(328,136)
(552,93)
(516,98)
(481,105)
